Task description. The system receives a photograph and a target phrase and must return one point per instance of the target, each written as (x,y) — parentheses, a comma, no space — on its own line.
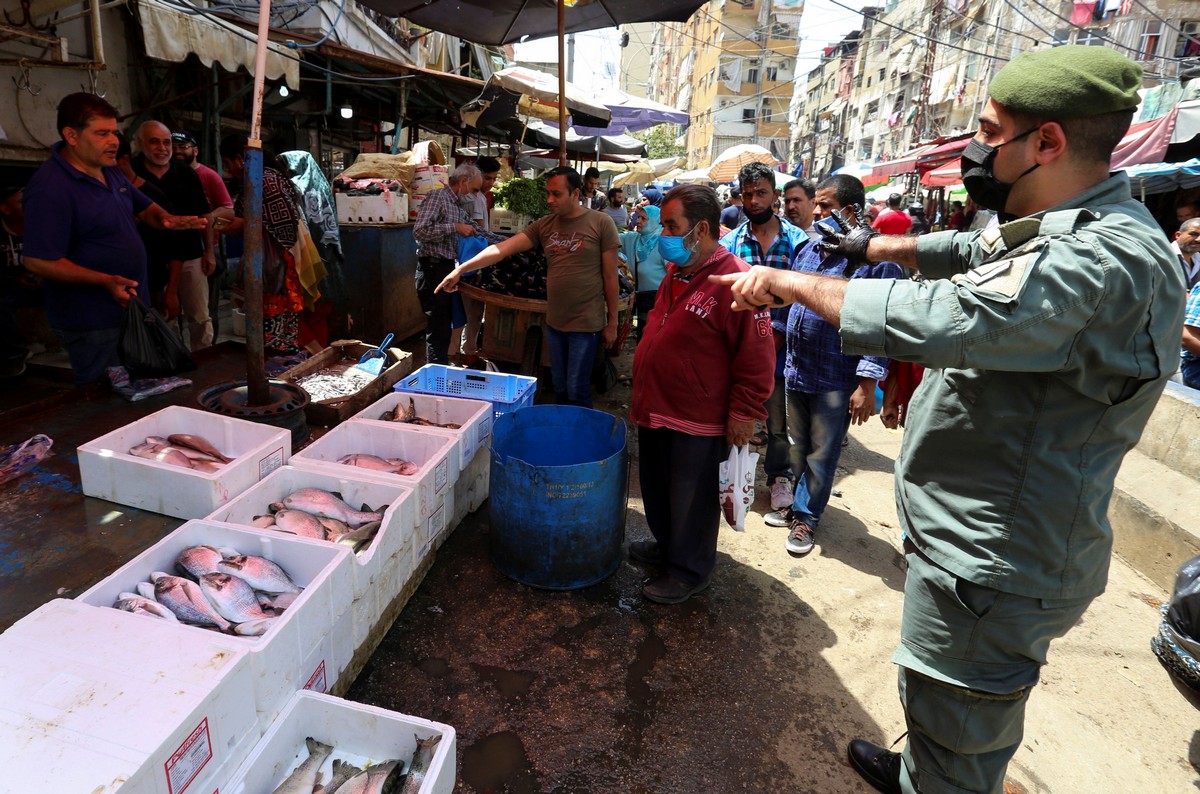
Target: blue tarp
(1149,178)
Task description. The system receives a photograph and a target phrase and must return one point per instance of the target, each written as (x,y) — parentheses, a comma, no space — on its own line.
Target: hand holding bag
(735,485)
(149,347)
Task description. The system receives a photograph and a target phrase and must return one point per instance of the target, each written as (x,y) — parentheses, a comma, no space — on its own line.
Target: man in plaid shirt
(826,390)
(770,240)
(443,217)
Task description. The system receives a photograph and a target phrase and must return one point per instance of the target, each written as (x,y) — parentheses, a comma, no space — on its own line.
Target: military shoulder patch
(1001,278)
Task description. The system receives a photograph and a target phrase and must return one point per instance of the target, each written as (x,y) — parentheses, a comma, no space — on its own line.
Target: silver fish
(278,602)
(333,526)
(262,522)
(254,628)
(305,776)
(342,771)
(146,590)
(198,443)
(376,779)
(300,523)
(260,573)
(161,455)
(376,463)
(185,598)
(358,538)
(139,605)
(325,505)
(196,561)
(419,765)
(232,597)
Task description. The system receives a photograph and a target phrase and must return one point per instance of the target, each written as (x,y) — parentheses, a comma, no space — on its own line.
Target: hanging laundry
(1083,13)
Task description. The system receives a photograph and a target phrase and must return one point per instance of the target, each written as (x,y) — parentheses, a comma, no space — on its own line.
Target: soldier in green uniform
(1048,340)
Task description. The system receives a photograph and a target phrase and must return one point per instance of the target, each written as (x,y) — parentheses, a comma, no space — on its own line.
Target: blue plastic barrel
(558,495)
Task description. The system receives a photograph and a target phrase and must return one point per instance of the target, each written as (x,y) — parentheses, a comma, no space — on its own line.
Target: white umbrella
(696,176)
(725,168)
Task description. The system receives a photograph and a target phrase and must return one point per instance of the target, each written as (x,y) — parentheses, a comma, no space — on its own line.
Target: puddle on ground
(438,668)
(511,683)
(498,763)
(639,712)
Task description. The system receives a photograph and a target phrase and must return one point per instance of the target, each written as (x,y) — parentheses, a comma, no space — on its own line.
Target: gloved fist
(851,243)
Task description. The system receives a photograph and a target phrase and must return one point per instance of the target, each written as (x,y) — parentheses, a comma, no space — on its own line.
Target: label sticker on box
(437,522)
(316,681)
(186,762)
(485,427)
(270,463)
(441,476)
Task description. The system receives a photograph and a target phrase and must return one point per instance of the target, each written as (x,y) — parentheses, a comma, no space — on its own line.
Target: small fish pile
(322,515)
(332,384)
(221,588)
(183,450)
(376,463)
(385,778)
(410,417)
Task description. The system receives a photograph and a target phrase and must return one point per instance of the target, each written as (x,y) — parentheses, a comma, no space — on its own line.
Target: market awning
(172,35)
(1163,177)
(942,153)
(905,164)
(945,175)
(1145,142)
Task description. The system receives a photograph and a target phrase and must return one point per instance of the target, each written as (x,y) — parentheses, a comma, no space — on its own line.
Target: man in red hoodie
(700,377)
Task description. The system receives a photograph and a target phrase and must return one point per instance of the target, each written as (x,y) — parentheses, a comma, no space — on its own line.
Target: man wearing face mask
(700,376)
(444,216)
(1049,340)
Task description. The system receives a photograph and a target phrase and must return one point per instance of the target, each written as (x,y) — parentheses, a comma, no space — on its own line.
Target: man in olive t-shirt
(581,282)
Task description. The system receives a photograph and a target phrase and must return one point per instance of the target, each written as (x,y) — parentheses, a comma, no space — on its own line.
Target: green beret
(1066,82)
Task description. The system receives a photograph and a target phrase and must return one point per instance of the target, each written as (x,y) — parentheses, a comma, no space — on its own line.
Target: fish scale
(185,598)
(233,598)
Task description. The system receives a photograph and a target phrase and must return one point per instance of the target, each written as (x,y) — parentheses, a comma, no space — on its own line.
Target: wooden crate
(342,355)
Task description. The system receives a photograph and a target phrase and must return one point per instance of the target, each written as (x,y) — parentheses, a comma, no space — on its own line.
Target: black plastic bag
(149,347)
(604,372)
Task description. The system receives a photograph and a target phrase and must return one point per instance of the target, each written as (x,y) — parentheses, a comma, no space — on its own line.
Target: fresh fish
(198,443)
(254,628)
(196,561)
(323,504)
(305,776)
(410,416)
(278,602)
(146,590)
(421,761)
(359,537)
(185,598)
(378,779)
(161,454)
(300,523)
(262,522)
(333,526)
(342,771)
(376,463)
(260,573)
(232,597)
(140,605)
(207,466)
(193,455)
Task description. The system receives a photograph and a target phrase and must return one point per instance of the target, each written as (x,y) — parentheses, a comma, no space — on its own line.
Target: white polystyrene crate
(386,207)
(471,487)
(396,534)
(92,700)
(429,451)
(282,659)
(108,471)
(474,417)
(357,732)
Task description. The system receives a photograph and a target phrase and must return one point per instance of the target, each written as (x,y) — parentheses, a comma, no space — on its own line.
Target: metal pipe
(257,392)
(562,84)
(97,34)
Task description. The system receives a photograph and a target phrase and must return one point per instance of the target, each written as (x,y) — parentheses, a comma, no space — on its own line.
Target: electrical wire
(328,33)
(1152,13)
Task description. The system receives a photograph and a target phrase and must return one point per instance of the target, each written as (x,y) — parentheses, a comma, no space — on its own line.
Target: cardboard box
(372,581)
(95,700)
(297,650)
(108,471)
(341,356)
(358,733)
(474,418)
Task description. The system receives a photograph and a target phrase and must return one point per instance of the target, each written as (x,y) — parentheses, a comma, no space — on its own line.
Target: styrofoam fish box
(474,418)
(386,207)
(430,452)
(108,471)
(396,535)
(287,656)
(471,487)
(358,733)
(92,700)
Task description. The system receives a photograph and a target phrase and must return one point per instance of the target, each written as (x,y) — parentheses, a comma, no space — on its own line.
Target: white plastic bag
(735,485)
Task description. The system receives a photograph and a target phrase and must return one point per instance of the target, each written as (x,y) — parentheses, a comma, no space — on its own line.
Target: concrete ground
(758,683)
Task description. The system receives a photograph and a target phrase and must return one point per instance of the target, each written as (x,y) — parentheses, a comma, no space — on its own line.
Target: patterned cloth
(280,220)
(317,198)
(814,362)
(434,229)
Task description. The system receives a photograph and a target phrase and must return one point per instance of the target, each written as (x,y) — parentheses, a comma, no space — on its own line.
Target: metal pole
(257,392)
(562,84)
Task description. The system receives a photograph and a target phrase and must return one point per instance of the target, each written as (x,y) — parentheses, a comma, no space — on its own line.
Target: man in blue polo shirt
(81,235)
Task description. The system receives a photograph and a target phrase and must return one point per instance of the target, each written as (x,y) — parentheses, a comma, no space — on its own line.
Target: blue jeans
(817,425)
(572,357)
(779,447)
(91,352)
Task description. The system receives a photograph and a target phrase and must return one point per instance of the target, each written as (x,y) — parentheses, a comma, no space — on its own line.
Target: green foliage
(524,196)
(660,142)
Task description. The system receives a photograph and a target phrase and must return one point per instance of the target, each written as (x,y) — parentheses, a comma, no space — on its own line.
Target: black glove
(851,243)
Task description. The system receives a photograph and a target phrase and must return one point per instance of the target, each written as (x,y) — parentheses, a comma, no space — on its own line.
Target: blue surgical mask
(676,249)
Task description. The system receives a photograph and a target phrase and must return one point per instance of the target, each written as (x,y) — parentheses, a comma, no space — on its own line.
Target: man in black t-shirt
(18,287)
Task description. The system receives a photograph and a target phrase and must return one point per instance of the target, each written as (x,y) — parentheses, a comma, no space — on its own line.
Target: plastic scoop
(373,360)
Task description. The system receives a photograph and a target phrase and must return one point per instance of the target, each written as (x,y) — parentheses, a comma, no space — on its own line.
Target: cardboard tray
(344,354)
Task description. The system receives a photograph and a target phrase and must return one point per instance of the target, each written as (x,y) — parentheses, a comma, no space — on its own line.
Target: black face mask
(759,218)
(979,179)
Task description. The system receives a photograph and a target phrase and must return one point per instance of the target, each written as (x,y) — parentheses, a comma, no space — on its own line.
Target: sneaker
(781,494)
(800,539)
(646,551)
(779,518)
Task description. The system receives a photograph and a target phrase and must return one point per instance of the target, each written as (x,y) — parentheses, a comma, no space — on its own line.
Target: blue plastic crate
(505,392)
